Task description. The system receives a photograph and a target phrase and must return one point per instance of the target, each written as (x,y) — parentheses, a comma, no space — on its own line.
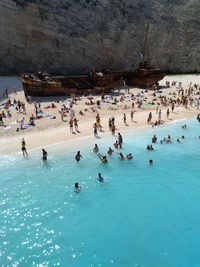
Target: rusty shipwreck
(96,82)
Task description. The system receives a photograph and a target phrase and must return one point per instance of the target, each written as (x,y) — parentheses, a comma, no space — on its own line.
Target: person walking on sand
(198,103)
(21,122)
(24,147)
(76,124)
(124,119)
(159,115)
(173,107)
(132,114)
(113,128)
(157,109)
(71,125)
(95,130)
(149,118)
(167,113)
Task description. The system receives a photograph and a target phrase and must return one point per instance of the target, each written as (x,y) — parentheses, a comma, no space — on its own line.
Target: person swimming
(103,158)
(151,148)
(100,178)
(110,151)
(77,188)
(148,147)
(121,156)
(150,162)
(178,140)
(95,149)
(129,156)
(168,139)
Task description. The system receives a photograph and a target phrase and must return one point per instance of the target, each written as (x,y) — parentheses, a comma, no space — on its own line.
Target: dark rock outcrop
(72,36)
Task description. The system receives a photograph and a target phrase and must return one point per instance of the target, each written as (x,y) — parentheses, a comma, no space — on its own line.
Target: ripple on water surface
(144,216)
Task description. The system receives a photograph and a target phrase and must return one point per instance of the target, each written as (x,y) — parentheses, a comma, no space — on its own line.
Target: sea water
(144,215)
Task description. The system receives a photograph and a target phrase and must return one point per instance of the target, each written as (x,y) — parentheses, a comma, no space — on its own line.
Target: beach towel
(39,117)
(7,127)
(47,107)
(147,105)
(26,126)
(49,116)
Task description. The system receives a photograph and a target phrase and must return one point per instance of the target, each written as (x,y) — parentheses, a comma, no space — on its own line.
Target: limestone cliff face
(72,36)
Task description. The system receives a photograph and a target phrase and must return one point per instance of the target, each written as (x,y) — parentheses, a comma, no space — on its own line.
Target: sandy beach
(50,129)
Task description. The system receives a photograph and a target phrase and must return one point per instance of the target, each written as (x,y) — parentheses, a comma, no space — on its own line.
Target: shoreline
(63,146)
(33,145)
(49,132)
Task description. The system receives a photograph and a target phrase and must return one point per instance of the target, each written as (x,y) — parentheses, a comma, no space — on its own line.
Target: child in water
(129,156)
(110,151)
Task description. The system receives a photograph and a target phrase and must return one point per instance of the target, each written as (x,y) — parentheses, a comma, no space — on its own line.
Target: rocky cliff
(72,36)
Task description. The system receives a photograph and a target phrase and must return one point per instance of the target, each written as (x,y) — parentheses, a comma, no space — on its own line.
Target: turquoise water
(144,216)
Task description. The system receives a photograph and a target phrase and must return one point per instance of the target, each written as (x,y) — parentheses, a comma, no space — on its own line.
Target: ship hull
(91,84)
(145,78)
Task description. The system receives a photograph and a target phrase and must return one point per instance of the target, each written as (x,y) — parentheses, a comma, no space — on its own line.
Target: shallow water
(10,83)
(144,216)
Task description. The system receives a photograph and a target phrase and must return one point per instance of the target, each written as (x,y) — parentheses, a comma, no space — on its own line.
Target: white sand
(49,131)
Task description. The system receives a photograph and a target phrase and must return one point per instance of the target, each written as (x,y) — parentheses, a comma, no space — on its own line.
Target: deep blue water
(145,215)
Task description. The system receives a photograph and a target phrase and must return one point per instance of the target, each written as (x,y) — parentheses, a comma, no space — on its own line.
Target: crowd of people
(159,105)
(117,145)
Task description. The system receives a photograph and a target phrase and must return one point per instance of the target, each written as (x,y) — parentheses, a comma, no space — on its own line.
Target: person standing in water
(120,140)
(44,155)
(100,178)
(78,156)
(96,148)
(24,148)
